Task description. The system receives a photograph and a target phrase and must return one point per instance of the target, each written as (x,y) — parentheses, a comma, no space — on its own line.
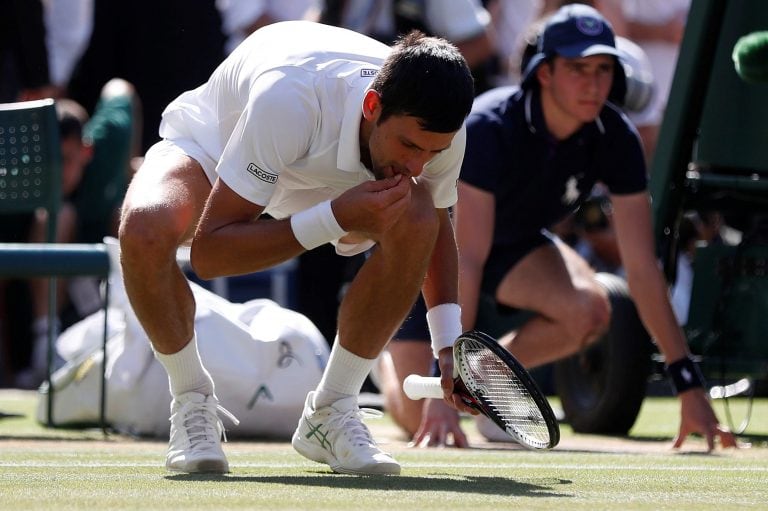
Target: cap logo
(589,26)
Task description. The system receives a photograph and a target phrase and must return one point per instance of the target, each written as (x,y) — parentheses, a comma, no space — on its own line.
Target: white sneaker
(196,432)
(336,435)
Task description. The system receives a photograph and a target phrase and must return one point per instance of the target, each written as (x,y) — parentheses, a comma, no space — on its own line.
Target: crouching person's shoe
(335,435)
(196,433)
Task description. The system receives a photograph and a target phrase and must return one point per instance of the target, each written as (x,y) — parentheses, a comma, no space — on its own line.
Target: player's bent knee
(144,233)
(421,218)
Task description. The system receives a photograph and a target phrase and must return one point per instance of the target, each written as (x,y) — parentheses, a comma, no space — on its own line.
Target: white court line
(670,468)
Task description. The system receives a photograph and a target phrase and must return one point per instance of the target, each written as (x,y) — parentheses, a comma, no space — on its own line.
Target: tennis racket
(494,383)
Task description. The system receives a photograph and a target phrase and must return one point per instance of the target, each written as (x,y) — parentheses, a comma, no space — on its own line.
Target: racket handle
(422,387)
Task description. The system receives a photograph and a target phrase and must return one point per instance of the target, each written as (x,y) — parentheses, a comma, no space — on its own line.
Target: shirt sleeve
(624,171)
(483,156)
(274,130)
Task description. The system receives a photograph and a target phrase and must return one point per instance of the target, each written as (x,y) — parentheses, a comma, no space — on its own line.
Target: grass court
(63,469)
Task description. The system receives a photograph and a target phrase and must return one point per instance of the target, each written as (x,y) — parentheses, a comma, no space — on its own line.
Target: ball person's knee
(597,317)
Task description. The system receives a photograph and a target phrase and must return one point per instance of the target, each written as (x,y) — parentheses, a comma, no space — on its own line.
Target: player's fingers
(418,437)
(459,438)
(431,439)
(426,437)
(680,438)
(459,404)
(396,191)
(382,184)
(727,439)
(710,436)
(440,438)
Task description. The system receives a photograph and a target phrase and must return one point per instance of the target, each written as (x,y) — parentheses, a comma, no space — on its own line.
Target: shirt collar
(348,156)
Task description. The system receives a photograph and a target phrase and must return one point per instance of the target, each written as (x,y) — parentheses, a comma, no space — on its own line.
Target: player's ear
(371,105)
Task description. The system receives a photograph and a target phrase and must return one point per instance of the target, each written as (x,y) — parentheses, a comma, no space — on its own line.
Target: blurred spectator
(697,228)
(689,232)
(510,22)
(95,154)
(113,133)
(591,233)
(68,25)
(463,22)
(24,71)
(657,26)
(243,17)
(162,48)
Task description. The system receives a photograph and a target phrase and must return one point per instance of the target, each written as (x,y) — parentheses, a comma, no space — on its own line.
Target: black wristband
(685,374)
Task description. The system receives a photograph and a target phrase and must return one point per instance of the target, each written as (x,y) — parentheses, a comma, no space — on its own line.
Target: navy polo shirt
(535,179)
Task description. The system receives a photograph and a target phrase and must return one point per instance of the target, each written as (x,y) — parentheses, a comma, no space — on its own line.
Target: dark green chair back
(30,160)
(30,178)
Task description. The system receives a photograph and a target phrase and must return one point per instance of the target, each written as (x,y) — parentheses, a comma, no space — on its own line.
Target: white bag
(263,358)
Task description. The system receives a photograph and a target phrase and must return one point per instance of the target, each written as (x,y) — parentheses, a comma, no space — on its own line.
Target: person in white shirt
(240,18)
(657,27)
(339,139)
(465,23)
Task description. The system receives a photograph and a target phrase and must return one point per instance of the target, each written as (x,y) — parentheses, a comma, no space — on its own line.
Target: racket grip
(421,387)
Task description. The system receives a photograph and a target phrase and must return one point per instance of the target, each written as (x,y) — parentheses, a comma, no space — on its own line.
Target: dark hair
(427,78)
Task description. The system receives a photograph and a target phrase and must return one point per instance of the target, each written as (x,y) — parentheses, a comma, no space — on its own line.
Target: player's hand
(373,207)
(697,416)
(439,426)
(445,361)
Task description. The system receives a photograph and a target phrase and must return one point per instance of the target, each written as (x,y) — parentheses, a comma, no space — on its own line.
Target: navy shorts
(501,259)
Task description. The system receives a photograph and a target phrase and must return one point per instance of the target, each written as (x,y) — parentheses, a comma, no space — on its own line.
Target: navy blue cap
(574,31)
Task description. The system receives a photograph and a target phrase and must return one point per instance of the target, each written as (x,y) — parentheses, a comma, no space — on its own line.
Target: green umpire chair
(30,179)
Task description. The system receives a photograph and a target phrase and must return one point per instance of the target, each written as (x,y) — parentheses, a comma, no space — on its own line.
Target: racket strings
(505,394)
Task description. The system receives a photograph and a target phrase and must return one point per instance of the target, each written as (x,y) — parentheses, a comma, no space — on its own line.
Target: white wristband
(444,322)
(316,226)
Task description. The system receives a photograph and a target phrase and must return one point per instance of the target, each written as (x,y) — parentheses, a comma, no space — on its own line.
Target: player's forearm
(441,282)
(651,297)
(243,247)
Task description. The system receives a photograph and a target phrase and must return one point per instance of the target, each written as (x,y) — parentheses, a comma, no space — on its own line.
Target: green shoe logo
(320,436)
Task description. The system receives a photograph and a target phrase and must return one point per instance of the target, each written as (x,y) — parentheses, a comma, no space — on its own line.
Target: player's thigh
(549,280)
(167,194)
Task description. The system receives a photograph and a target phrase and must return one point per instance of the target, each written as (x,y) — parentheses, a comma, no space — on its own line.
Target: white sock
(343,377)
(186,372)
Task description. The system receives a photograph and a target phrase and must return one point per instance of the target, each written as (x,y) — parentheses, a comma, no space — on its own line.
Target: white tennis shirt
(279,119)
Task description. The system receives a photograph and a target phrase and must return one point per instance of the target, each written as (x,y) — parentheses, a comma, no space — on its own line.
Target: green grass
(60,469)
